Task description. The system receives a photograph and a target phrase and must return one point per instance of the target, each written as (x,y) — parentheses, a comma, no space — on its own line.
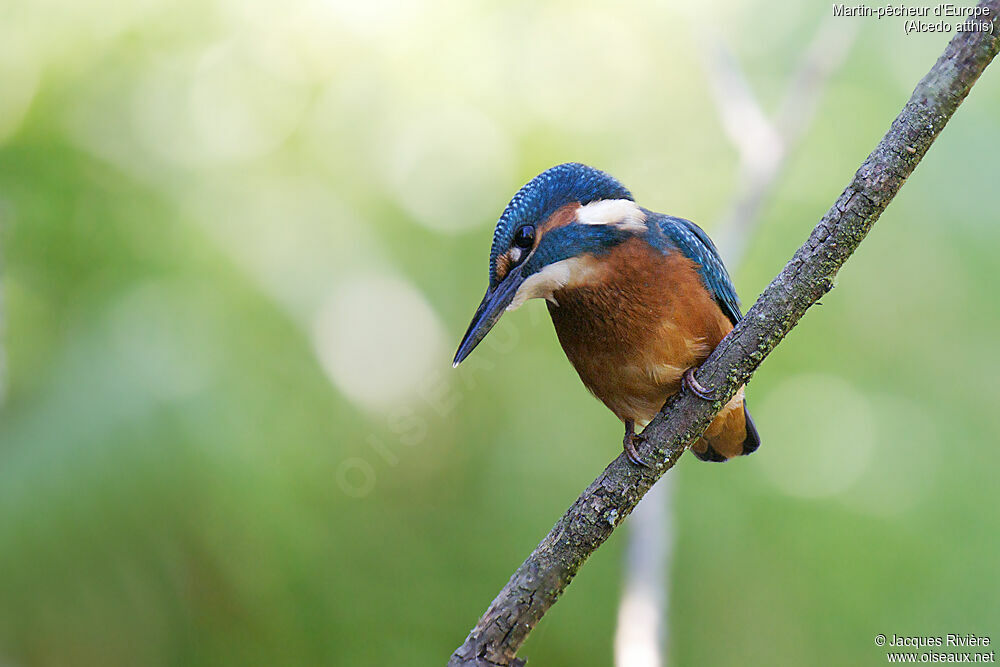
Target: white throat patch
(571,272)
(620,213)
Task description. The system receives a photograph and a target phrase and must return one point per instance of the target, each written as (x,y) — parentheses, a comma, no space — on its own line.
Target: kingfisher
(638,299)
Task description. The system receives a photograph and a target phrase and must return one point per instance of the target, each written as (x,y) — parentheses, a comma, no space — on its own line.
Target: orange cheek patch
(562,217)
(503,266)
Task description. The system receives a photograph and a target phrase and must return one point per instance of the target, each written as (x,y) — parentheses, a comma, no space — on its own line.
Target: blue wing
(694,243)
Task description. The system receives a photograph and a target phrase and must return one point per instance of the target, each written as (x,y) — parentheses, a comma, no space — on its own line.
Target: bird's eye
(524,237)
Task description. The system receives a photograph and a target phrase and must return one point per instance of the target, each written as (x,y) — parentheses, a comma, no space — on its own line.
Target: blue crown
(547,193)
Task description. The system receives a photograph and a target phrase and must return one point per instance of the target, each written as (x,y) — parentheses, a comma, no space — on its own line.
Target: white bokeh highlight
(378,339)
(820,432)
(905,461)
(227,103)
(421,152)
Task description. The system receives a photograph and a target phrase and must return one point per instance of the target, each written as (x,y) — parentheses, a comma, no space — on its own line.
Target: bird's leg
(695,387)
(629,441)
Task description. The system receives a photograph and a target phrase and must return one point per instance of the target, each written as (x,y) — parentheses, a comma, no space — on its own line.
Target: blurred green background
(241,241)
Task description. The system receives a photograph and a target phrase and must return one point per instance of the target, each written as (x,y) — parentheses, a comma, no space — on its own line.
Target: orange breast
(634,327)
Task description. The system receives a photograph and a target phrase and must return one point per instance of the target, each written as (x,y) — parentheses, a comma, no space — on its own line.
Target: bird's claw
(629,443)
(691,384)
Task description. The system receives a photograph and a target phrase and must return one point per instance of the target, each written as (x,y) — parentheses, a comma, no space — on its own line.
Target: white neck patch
(620,213)
(571,272)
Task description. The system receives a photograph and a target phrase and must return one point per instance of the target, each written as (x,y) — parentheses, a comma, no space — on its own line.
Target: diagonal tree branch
(539,581)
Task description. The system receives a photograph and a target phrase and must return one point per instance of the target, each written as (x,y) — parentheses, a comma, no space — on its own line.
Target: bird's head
(564,213)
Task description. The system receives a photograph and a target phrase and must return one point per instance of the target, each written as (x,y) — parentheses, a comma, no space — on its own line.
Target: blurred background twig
(763,145)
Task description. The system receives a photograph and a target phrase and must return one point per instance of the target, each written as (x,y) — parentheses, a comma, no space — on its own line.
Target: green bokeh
(219,446)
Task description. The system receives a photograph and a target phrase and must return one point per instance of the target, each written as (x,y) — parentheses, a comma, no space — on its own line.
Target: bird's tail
(731,434)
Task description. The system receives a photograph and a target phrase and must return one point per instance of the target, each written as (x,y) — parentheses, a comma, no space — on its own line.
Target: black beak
(489,312)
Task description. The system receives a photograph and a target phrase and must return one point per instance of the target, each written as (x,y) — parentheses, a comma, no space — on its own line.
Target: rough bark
(539,581)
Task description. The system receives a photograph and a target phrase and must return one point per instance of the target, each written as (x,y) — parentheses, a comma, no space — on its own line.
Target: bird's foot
(695,387)
(629,442)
